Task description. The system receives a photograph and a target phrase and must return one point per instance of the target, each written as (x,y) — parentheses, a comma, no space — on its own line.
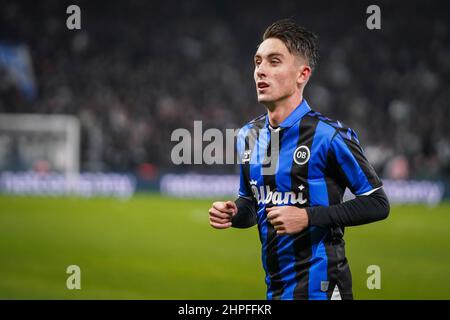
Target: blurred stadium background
(86,118)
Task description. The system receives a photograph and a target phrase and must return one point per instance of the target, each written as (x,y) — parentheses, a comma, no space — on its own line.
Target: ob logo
(246,156)
(301,155)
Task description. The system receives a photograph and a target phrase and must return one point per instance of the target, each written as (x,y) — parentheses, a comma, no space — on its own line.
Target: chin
(264,99)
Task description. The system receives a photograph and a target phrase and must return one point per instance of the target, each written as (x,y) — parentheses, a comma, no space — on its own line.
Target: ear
(304,73)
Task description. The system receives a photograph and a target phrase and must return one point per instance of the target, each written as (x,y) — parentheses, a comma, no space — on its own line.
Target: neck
(280,110)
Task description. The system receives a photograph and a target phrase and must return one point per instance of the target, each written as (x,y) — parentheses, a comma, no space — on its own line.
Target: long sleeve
(246,214)
(361,210)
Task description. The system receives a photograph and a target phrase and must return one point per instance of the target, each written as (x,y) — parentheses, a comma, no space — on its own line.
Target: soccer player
(295,165)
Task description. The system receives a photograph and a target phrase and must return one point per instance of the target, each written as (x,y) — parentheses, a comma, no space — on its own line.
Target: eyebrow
(271,55)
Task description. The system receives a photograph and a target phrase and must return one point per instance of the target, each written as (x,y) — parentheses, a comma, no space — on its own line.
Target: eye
(257,62)
(275,61)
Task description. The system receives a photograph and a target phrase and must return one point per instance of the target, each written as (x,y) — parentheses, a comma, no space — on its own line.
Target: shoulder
(332,127)
(256,123)
(249,131)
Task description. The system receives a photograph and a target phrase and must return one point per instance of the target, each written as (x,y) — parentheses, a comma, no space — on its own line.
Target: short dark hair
(297,39)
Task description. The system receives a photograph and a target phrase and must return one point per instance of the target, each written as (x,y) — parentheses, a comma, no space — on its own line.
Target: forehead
(272,46)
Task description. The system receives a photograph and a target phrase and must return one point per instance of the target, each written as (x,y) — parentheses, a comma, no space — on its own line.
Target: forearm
(246,213)
(358,211)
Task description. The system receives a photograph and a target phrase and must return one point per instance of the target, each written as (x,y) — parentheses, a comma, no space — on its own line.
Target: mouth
(262,85)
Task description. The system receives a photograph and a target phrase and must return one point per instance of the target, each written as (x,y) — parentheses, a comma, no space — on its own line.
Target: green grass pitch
(155,247)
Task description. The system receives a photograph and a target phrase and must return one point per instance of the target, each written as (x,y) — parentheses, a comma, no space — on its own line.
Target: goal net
(39,142)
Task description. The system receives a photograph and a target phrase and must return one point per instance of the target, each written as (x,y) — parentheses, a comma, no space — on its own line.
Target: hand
(288,219)
(221,213)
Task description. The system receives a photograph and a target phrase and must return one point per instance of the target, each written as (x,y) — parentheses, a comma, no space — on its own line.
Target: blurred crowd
(138,70)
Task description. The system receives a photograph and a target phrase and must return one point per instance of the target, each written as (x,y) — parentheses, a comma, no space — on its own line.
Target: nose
(260,71)
(260,74)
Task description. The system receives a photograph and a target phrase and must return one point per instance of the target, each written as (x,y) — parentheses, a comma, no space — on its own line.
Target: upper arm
(351,165)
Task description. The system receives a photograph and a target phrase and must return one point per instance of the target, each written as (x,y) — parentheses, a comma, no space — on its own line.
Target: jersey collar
(295,116)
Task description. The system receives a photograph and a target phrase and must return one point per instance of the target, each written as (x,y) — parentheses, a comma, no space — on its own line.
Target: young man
(295,167)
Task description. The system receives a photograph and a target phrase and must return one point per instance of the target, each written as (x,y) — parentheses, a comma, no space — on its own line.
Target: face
(278,73)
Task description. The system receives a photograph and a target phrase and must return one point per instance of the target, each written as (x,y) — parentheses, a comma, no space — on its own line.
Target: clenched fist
(287,219)
(221,213)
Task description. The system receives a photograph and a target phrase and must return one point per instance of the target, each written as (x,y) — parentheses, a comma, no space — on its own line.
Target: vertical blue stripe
(286,254)
(319,264)
(318,196)
(351,168)
(257,156)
